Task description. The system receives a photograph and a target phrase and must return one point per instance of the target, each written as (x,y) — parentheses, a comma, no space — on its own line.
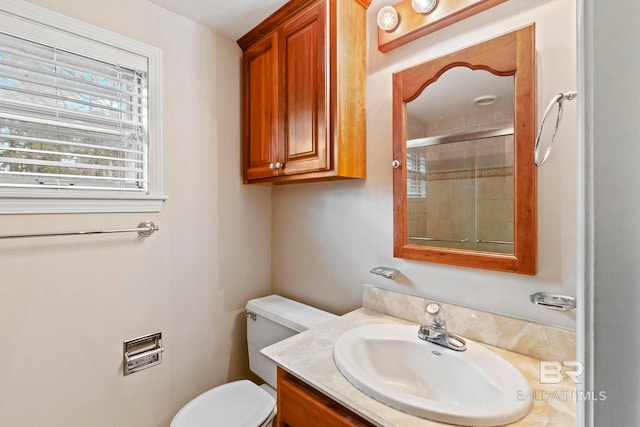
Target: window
(416,174)
(79,117)
(67,121)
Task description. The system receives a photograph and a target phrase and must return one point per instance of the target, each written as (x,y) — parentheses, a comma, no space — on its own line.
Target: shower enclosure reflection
(460,158)
(460,193)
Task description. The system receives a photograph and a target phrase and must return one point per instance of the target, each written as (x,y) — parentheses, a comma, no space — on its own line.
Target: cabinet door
(304,92)
(299,405)
(260,109)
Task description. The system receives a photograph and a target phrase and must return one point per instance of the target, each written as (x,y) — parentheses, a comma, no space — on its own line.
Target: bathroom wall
(612,106)
(327,236)
(66,304)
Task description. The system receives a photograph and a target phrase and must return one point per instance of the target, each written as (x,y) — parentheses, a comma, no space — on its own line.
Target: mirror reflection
(464,181)
(460,163)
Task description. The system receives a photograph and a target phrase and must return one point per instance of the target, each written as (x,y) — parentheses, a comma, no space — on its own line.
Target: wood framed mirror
(464,180)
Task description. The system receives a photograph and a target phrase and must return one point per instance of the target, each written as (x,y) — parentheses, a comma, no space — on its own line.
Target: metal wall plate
(388,272)
(142,353)
(554,301)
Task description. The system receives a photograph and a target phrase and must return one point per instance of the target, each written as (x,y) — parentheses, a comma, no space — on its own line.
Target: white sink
(475,387)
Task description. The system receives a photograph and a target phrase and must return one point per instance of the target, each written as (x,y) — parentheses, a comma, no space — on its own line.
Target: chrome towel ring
(559,98)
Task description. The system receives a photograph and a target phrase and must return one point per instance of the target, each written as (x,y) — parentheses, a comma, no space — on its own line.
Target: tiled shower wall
(469,185)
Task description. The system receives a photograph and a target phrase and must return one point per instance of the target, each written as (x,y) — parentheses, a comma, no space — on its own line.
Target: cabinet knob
(395,164)
(279,165)
(276,165)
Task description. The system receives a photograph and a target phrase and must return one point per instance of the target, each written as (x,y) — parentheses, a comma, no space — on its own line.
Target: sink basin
(475,387)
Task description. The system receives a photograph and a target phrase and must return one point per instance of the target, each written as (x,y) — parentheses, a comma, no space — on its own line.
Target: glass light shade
(388,18)
(423,6)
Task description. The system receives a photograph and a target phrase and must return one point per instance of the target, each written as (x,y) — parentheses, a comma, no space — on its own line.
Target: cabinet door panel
(260,73)
(301,406)
(306,147)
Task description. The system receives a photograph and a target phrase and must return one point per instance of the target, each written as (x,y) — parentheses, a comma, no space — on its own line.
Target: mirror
(464,179)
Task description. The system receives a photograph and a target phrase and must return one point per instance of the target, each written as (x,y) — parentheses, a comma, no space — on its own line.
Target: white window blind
(70,122)
(416,175)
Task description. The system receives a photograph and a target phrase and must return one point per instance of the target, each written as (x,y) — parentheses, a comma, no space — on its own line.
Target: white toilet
(243,403)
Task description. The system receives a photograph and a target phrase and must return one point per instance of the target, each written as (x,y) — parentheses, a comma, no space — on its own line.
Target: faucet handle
(433,308)
(434,312)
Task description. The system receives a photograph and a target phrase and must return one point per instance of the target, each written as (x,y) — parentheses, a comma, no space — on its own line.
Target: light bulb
(423,6)
(388,18)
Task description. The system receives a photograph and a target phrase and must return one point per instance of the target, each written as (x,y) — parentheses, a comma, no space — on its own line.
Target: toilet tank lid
(289,313)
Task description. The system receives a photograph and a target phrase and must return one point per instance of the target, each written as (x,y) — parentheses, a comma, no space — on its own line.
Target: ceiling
(453,95)
(231,18)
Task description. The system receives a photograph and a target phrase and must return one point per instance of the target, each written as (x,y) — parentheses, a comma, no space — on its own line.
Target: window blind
(68,121)
(416,175)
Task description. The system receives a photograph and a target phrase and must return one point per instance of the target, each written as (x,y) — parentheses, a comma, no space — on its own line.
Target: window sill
(15,205)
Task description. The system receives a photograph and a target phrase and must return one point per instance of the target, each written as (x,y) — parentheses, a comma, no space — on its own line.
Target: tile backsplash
(532,339)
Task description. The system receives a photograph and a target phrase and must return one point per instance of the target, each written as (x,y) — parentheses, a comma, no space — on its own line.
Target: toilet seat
(235,404)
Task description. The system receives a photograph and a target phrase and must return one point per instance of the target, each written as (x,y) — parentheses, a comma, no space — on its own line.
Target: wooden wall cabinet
(300,405)
(304,73)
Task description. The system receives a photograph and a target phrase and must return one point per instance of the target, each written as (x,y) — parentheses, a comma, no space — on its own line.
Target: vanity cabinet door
(299,405)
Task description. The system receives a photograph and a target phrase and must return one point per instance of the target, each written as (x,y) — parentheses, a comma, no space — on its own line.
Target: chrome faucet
(436,332)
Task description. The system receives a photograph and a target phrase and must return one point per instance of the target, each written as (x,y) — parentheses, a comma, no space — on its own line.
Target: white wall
(612,110)
(66,304)
(327,236)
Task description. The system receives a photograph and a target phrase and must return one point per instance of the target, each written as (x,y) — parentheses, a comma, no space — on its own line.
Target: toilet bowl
(239,403)
(243,403)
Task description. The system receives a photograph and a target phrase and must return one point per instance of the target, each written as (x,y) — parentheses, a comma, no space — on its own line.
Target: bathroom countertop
(309,356)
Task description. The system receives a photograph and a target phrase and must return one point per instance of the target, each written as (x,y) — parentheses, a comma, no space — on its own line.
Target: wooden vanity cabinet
(300,405)
(303,104)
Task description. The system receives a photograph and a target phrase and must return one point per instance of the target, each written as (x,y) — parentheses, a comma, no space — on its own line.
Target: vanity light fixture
(388,18)
(421,17)
(424,6)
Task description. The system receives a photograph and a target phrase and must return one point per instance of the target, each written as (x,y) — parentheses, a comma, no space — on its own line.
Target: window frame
(41,25)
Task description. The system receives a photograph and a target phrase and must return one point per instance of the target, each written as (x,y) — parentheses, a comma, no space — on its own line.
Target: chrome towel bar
(144,229)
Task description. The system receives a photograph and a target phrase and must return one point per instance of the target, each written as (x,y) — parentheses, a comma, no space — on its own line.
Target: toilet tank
(271,319)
